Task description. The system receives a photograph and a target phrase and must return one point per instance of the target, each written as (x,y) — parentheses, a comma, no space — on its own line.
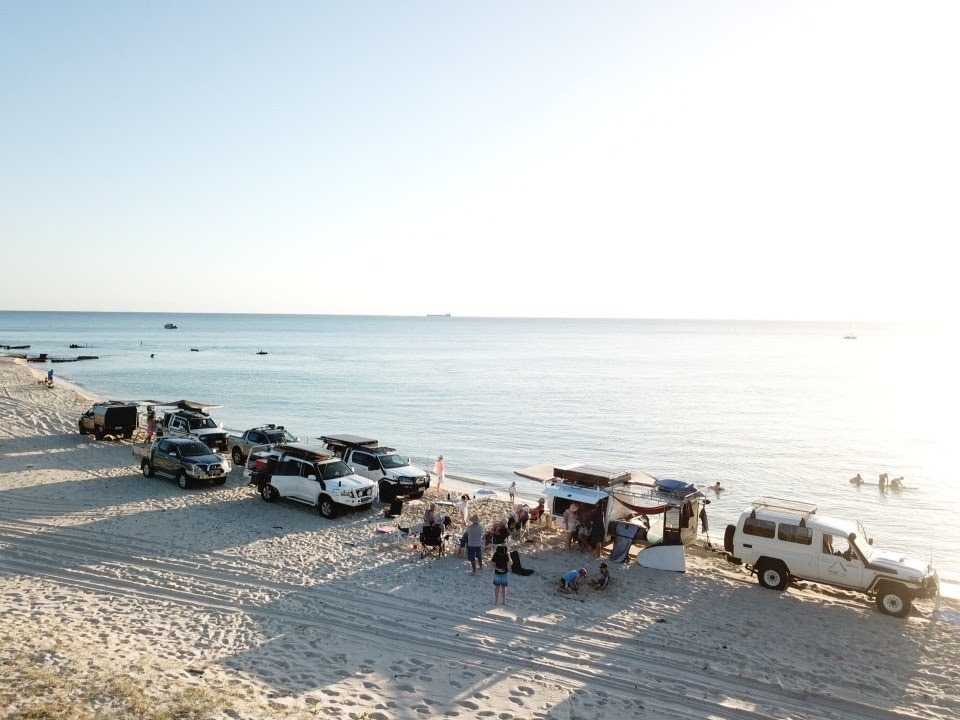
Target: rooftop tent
(598,475)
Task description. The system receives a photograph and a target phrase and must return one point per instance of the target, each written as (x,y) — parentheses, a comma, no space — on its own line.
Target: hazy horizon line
(454,316)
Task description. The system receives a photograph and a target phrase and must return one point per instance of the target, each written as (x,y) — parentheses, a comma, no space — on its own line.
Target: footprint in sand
(469,704)
(516,701)
(505,716)
(406,687)
(486,713)
(524,689)
(422,709)
(330,692)
(376,715)
(481,695)
(371,685)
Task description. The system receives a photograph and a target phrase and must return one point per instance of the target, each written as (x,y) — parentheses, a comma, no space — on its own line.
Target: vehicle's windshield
(334,470)
(279,436)
(195,449)
(198,423)
(862,542)
(393,461)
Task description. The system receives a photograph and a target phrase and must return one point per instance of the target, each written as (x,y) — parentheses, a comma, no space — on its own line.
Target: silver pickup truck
(241,444)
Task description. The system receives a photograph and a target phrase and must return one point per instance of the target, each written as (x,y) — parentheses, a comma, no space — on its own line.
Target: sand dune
(276,612)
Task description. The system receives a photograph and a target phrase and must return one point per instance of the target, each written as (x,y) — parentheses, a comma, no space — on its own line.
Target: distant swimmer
(716,487)
(883,482)
(896,484)
(856,480)
(151,355)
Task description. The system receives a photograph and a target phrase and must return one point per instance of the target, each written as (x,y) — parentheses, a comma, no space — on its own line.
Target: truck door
(839,563)
(286,478)
(365,465)
(163,457)
(311,482)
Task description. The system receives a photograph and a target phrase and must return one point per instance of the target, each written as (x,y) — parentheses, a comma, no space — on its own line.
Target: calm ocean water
(784,409)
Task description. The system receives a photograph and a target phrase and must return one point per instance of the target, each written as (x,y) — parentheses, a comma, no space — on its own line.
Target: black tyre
(728,538)
(894,600)
(80,429)
(220,481)
(773,575)
(146,469)
(182,480)
(327,507)
(387,492)
(268,492)
(237,457)
(98,434)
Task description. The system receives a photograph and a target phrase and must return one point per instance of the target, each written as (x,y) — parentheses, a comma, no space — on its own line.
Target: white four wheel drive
(782,540)
(310,476)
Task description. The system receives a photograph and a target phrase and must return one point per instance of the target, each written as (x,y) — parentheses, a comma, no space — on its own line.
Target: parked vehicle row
(780,541)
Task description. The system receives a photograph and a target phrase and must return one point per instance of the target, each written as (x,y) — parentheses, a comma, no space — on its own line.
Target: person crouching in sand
(603,579)
(501,574)
(570,582)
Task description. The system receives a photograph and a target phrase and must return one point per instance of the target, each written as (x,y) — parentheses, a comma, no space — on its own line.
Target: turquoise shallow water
(783,409)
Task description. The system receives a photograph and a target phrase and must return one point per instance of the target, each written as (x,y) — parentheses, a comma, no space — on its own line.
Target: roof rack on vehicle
(794,506)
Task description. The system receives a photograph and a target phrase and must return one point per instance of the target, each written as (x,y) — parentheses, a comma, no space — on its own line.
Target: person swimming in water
(856,480)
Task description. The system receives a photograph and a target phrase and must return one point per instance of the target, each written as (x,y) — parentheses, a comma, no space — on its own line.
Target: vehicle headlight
(192,469)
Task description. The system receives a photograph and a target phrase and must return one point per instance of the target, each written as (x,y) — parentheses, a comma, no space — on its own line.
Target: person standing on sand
(475,545)
(151,423)
(440,470)
(50,377)
(513,492)
(501,574)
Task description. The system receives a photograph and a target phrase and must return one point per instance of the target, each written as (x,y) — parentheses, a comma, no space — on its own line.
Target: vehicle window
(288,467)
(163,446)
(278,436)
(334,470)
(795,534)
(394,461)
(760,528)
(367,461)
(179,424)
(839,546)
(194,449)
(199,423)
(306,470)
(258,438)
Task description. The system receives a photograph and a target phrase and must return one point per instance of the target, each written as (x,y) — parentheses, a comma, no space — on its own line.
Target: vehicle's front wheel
(894,600)
(327,507)
(80,429)
(182,480)
(98,435)
(773,575)
(220,481)
(237,456)
(146,469)
(268,492)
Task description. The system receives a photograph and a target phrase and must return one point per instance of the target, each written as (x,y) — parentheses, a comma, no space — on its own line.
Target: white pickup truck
(394,474)
(309,476)
(782,540)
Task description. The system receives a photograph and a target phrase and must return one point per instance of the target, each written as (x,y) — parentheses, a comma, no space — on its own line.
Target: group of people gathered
(884,482)
(584,525)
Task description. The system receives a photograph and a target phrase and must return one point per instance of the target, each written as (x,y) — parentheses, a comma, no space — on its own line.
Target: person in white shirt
(440,470)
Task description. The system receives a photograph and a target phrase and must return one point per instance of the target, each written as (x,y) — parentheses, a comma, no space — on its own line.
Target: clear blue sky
(664,159)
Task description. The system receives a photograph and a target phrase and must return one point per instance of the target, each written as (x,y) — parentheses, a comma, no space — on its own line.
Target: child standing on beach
(501,574)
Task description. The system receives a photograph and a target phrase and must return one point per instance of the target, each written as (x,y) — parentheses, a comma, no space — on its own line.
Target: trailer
(660,514)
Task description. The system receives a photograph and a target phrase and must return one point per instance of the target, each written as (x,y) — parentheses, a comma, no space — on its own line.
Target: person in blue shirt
(571,580)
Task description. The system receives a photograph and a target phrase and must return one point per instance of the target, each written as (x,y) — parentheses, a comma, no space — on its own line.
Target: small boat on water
(438,315)
(170,326)
(75,346)
(194,349)
(262,352)
(15,347)
(849,337)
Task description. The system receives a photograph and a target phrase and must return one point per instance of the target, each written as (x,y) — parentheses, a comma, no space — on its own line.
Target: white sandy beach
(274,612)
